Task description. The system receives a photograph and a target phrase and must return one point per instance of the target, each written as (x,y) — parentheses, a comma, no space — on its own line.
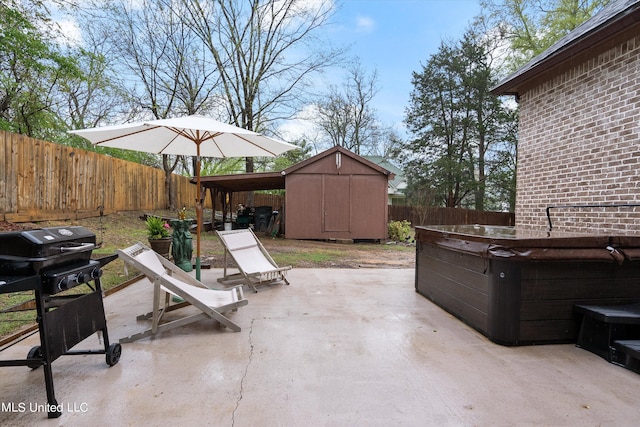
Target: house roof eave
(593,32)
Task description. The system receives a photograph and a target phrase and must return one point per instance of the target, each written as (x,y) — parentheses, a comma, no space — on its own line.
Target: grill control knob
(63,284)
(96,273)
(81,278)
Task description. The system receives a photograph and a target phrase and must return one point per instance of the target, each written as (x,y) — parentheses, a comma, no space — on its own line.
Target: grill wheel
(113,354)
(35,353)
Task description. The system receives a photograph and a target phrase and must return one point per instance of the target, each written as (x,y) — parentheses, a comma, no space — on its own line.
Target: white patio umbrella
(188,136)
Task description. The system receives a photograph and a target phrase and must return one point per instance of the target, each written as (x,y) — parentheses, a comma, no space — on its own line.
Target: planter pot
(161,246)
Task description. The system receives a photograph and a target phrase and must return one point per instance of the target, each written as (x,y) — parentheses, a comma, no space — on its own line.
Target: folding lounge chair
(255,265)
(169,280)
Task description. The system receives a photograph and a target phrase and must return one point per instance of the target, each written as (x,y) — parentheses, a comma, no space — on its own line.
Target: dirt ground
(122,229)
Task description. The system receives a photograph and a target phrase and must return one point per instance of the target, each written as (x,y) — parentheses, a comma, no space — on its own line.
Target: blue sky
(396,37)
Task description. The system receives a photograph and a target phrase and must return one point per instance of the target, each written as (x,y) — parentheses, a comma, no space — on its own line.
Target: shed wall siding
(579,143)
(303,203)
(331,199)
(369,210)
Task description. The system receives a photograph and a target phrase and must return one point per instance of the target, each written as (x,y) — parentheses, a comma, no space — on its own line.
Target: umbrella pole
(198,213)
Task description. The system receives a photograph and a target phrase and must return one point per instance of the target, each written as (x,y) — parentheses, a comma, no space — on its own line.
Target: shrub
(157,228)
(399,230)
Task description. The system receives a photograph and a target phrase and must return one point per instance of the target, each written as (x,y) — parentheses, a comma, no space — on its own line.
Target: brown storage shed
(336,195)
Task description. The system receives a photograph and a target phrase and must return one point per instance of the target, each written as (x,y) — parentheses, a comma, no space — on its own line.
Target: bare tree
(169,68)
(347,116)
(266,52)
(92,97)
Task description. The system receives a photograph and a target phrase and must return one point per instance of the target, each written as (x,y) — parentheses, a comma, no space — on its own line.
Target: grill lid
(29,251)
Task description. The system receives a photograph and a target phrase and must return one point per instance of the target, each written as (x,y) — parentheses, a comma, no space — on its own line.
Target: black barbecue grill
(49,261)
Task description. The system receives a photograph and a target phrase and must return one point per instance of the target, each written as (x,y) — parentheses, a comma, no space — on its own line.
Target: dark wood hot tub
(518,288)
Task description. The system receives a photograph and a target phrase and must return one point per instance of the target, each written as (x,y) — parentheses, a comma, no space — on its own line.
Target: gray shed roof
(612,19)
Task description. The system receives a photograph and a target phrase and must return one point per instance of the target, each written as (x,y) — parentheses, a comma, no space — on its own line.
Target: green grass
(122,229)
(13,321)
(302,258)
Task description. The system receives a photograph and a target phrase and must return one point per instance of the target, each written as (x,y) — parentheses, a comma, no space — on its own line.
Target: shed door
(337,202)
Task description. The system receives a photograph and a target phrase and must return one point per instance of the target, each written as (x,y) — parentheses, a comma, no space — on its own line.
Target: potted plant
(158,234)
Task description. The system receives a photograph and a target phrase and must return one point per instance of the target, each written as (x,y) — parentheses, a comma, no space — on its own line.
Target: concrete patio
(336,348)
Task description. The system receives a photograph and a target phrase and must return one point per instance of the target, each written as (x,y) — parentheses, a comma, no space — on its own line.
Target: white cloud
(365,24)
(71,32)
(314,6)
(302,126)
(300,10)
(63,25)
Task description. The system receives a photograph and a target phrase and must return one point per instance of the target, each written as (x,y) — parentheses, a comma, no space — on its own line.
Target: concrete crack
(246,369)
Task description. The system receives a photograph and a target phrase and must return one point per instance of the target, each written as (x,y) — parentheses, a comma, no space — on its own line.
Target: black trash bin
(262,216)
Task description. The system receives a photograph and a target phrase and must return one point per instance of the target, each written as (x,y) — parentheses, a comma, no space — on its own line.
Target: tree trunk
(168,183)
(249,169)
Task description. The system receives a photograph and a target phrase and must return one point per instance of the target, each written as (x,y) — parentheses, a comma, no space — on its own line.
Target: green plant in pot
(158,233)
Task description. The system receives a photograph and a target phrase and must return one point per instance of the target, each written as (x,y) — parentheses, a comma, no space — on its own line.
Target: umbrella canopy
(187,136)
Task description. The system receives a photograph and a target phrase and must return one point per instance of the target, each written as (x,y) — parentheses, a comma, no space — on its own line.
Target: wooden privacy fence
(419,215)
(415,215)
(41,180)
(276,201)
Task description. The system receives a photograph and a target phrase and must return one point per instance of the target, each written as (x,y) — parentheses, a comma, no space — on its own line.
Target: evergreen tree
(458,127)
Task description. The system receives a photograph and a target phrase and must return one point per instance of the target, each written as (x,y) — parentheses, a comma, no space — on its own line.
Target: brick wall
(579,143)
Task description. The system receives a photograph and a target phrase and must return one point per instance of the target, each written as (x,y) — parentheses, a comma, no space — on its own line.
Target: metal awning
(244,182)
